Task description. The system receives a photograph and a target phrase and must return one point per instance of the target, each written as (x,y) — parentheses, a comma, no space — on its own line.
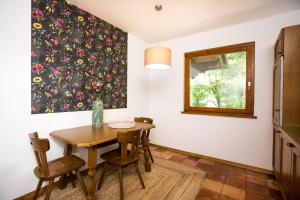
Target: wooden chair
(48,171)
(124,156)
(146,133)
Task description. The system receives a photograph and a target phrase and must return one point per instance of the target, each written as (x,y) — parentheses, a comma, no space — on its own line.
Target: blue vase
(97,116)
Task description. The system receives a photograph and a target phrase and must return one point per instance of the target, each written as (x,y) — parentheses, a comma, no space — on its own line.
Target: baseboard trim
(257,169)
(29,195)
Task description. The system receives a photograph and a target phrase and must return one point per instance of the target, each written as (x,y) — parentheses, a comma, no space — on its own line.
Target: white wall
(16,156)
(247,141)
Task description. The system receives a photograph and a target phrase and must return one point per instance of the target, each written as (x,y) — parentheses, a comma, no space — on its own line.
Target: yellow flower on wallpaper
(69,2)
(68,94)
(49,59)
(108,49)
(80,61)
(37,25)
(49,110)
(80,18)
(88,46)
(49,9)
(37,79)
(80,104)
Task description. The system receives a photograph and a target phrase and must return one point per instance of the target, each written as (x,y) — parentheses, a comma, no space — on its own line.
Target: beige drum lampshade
(158,58)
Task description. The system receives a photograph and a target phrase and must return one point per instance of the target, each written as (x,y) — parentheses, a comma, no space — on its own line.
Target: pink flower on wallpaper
(92,31)
(96,86)
(77,40)
(38,68)
(53,101)
(37,14)
(99,46)
(54,91)
(108,78)
(56,72)
(53,52)
(58,22)
(90,73)
(80,52)
(34,54)
(80,11)
(66,106)
(53,2)
(67,60)
(67,13)
(93,56)
(34,108)
(55,41)
(79,95)
(109,42)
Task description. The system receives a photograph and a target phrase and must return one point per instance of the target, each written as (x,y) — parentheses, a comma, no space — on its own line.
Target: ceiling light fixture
(157,57)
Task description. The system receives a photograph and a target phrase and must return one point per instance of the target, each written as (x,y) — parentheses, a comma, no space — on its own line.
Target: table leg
(92,163)
(63,180)
(146,155)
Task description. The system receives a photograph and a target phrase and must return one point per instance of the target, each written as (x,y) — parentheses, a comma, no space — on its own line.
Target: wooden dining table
(93,138)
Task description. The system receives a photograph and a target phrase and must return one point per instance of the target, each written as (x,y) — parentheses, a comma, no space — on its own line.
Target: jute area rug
(167,181)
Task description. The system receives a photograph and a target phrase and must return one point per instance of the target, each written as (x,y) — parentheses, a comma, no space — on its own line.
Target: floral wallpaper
(75,57)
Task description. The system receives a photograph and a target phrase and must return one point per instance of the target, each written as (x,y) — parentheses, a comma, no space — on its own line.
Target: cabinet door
(286,162)
(295,176)
(277,91)
(279,45)
(276,151)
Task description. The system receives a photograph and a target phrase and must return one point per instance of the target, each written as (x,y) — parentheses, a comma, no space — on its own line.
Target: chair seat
(114,157)
(60,166)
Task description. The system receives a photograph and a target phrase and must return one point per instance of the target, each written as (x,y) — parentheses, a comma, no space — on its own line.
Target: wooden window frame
(248,112)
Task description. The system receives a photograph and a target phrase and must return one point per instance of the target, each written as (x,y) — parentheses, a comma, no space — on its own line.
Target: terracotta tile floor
(224,181)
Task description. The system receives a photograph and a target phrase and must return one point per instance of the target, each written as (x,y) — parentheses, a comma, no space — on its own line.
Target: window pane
(218,81)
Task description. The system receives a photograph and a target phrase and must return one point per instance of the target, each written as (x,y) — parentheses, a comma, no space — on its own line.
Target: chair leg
(102,176)
(49,189)
(38,187)
(121,183)
(79,177)
(72,179)
(139,174)
(151,157)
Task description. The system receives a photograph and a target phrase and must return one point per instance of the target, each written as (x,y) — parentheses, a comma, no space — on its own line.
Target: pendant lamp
(157,57)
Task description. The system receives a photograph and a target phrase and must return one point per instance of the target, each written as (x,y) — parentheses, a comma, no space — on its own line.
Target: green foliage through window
(219,83)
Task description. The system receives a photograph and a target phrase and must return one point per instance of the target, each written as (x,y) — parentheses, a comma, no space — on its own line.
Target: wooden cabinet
(286,112)
(286,161)
(276,151)
(279,49)
(295,181)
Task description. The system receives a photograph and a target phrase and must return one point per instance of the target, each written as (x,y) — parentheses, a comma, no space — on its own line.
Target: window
(220,81)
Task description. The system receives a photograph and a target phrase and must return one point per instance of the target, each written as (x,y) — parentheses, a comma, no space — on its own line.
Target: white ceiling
(181,17)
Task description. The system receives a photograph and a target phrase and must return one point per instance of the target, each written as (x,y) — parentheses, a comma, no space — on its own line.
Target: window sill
(220,114)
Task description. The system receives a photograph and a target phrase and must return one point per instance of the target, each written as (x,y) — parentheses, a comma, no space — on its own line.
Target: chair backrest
(144,120)
(132,138)
(40,147)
